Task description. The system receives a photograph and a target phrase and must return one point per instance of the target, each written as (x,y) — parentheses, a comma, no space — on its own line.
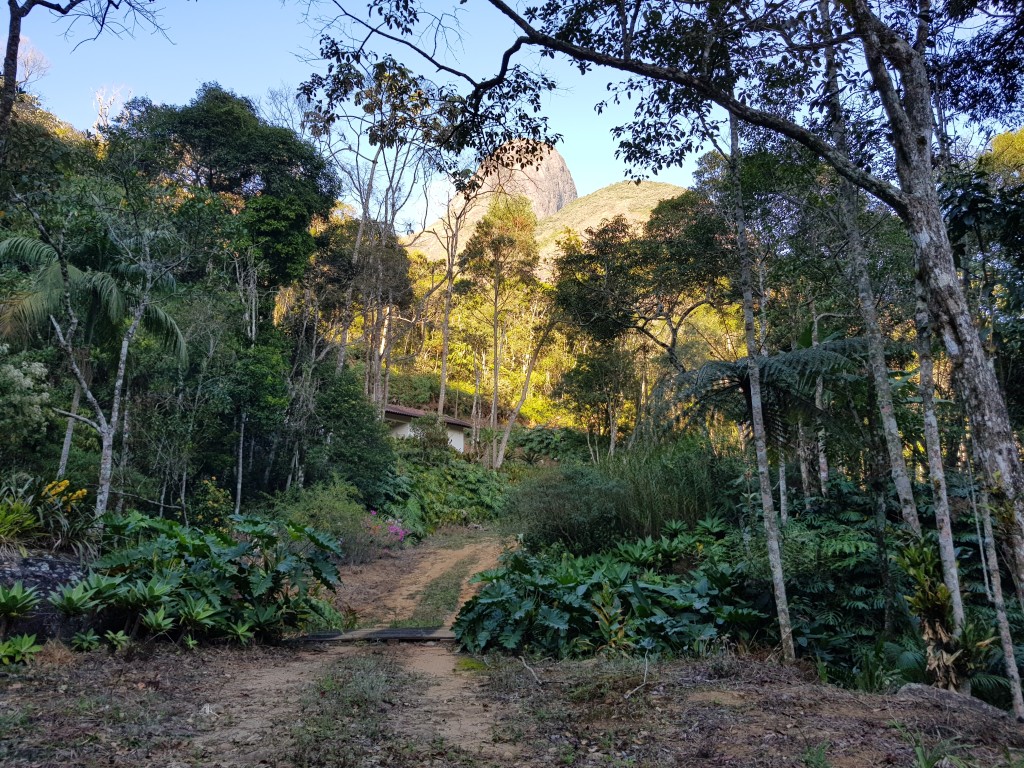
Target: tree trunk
(9,91)
(819,405)
(936,471)
(445,342)
(756,415)
(1005,638)
(805,468)
(848,210)
(783,492)
(909,109)
(495,366)
(69,432)
(241,466)
(109,431)
(500,456)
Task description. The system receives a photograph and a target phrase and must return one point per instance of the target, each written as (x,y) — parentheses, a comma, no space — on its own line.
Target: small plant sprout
(85,641)
(118,640)
(16,601)
(19,650)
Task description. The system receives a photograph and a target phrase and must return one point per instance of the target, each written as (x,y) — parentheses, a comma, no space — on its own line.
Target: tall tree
(682,58)
(501,257)
(121,15)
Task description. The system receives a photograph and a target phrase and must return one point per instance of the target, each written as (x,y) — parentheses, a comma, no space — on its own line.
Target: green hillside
(626,198)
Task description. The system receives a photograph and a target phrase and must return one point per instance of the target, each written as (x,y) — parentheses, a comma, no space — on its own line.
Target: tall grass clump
(682,480)
(587,509)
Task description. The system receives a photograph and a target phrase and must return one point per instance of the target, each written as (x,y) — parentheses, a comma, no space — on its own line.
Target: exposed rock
(541,176)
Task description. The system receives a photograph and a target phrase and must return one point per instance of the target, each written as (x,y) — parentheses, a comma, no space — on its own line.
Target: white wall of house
(400,429)
(457,438)
(456,434)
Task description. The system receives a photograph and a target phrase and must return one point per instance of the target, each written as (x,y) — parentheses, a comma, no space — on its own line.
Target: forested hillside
(777,412)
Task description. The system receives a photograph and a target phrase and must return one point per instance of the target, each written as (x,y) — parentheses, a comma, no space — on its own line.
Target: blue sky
(250,46)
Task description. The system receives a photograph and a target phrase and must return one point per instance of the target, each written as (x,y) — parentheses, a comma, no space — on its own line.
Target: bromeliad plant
(16,601)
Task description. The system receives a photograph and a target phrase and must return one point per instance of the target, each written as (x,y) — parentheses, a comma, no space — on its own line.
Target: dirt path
(387,589)
(406,705)
(242,719)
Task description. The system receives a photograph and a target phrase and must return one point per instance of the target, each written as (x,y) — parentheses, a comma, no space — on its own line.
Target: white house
(399,419)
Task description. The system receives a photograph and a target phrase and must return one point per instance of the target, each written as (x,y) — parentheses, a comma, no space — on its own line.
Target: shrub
(333,507)
(448,491)
(575,606)
(16,601)
(19,649)
(355,446)
(165,579)
(632,494)
(574,507)
(35,512)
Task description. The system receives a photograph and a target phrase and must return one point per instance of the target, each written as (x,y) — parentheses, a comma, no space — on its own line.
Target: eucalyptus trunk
(908,105)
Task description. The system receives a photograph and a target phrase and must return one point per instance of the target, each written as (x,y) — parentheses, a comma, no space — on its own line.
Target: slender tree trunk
(613,428)
(783,492)
(771,524)
(500,458)
(1005,637)
(9,91)
(936,471)
(241,466)
(445,343)
(805,468)
(848,210)
(109,431)
(69,432)
(819,405)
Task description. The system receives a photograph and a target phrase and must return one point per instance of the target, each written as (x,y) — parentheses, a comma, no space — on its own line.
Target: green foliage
(26,398)
(74,599)
(258,583)
(18,650)
(576,507)
(356,447)
(18,523)
(632,494)
(546,444)
(332,507)
(86,641)
(16,601)
(431,436)
(452,491)
(574,606)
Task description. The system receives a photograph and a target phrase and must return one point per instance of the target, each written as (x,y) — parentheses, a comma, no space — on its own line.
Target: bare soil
(161,706)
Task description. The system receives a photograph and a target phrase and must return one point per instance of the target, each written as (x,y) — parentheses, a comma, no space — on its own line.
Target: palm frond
(788,381)
(161,325)
(111,297)
(26,251)
(27,310)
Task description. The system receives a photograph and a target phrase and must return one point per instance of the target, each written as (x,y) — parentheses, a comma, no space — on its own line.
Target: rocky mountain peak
(536,171)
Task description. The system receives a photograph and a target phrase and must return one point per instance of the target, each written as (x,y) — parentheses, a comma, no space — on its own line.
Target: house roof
(415,413)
